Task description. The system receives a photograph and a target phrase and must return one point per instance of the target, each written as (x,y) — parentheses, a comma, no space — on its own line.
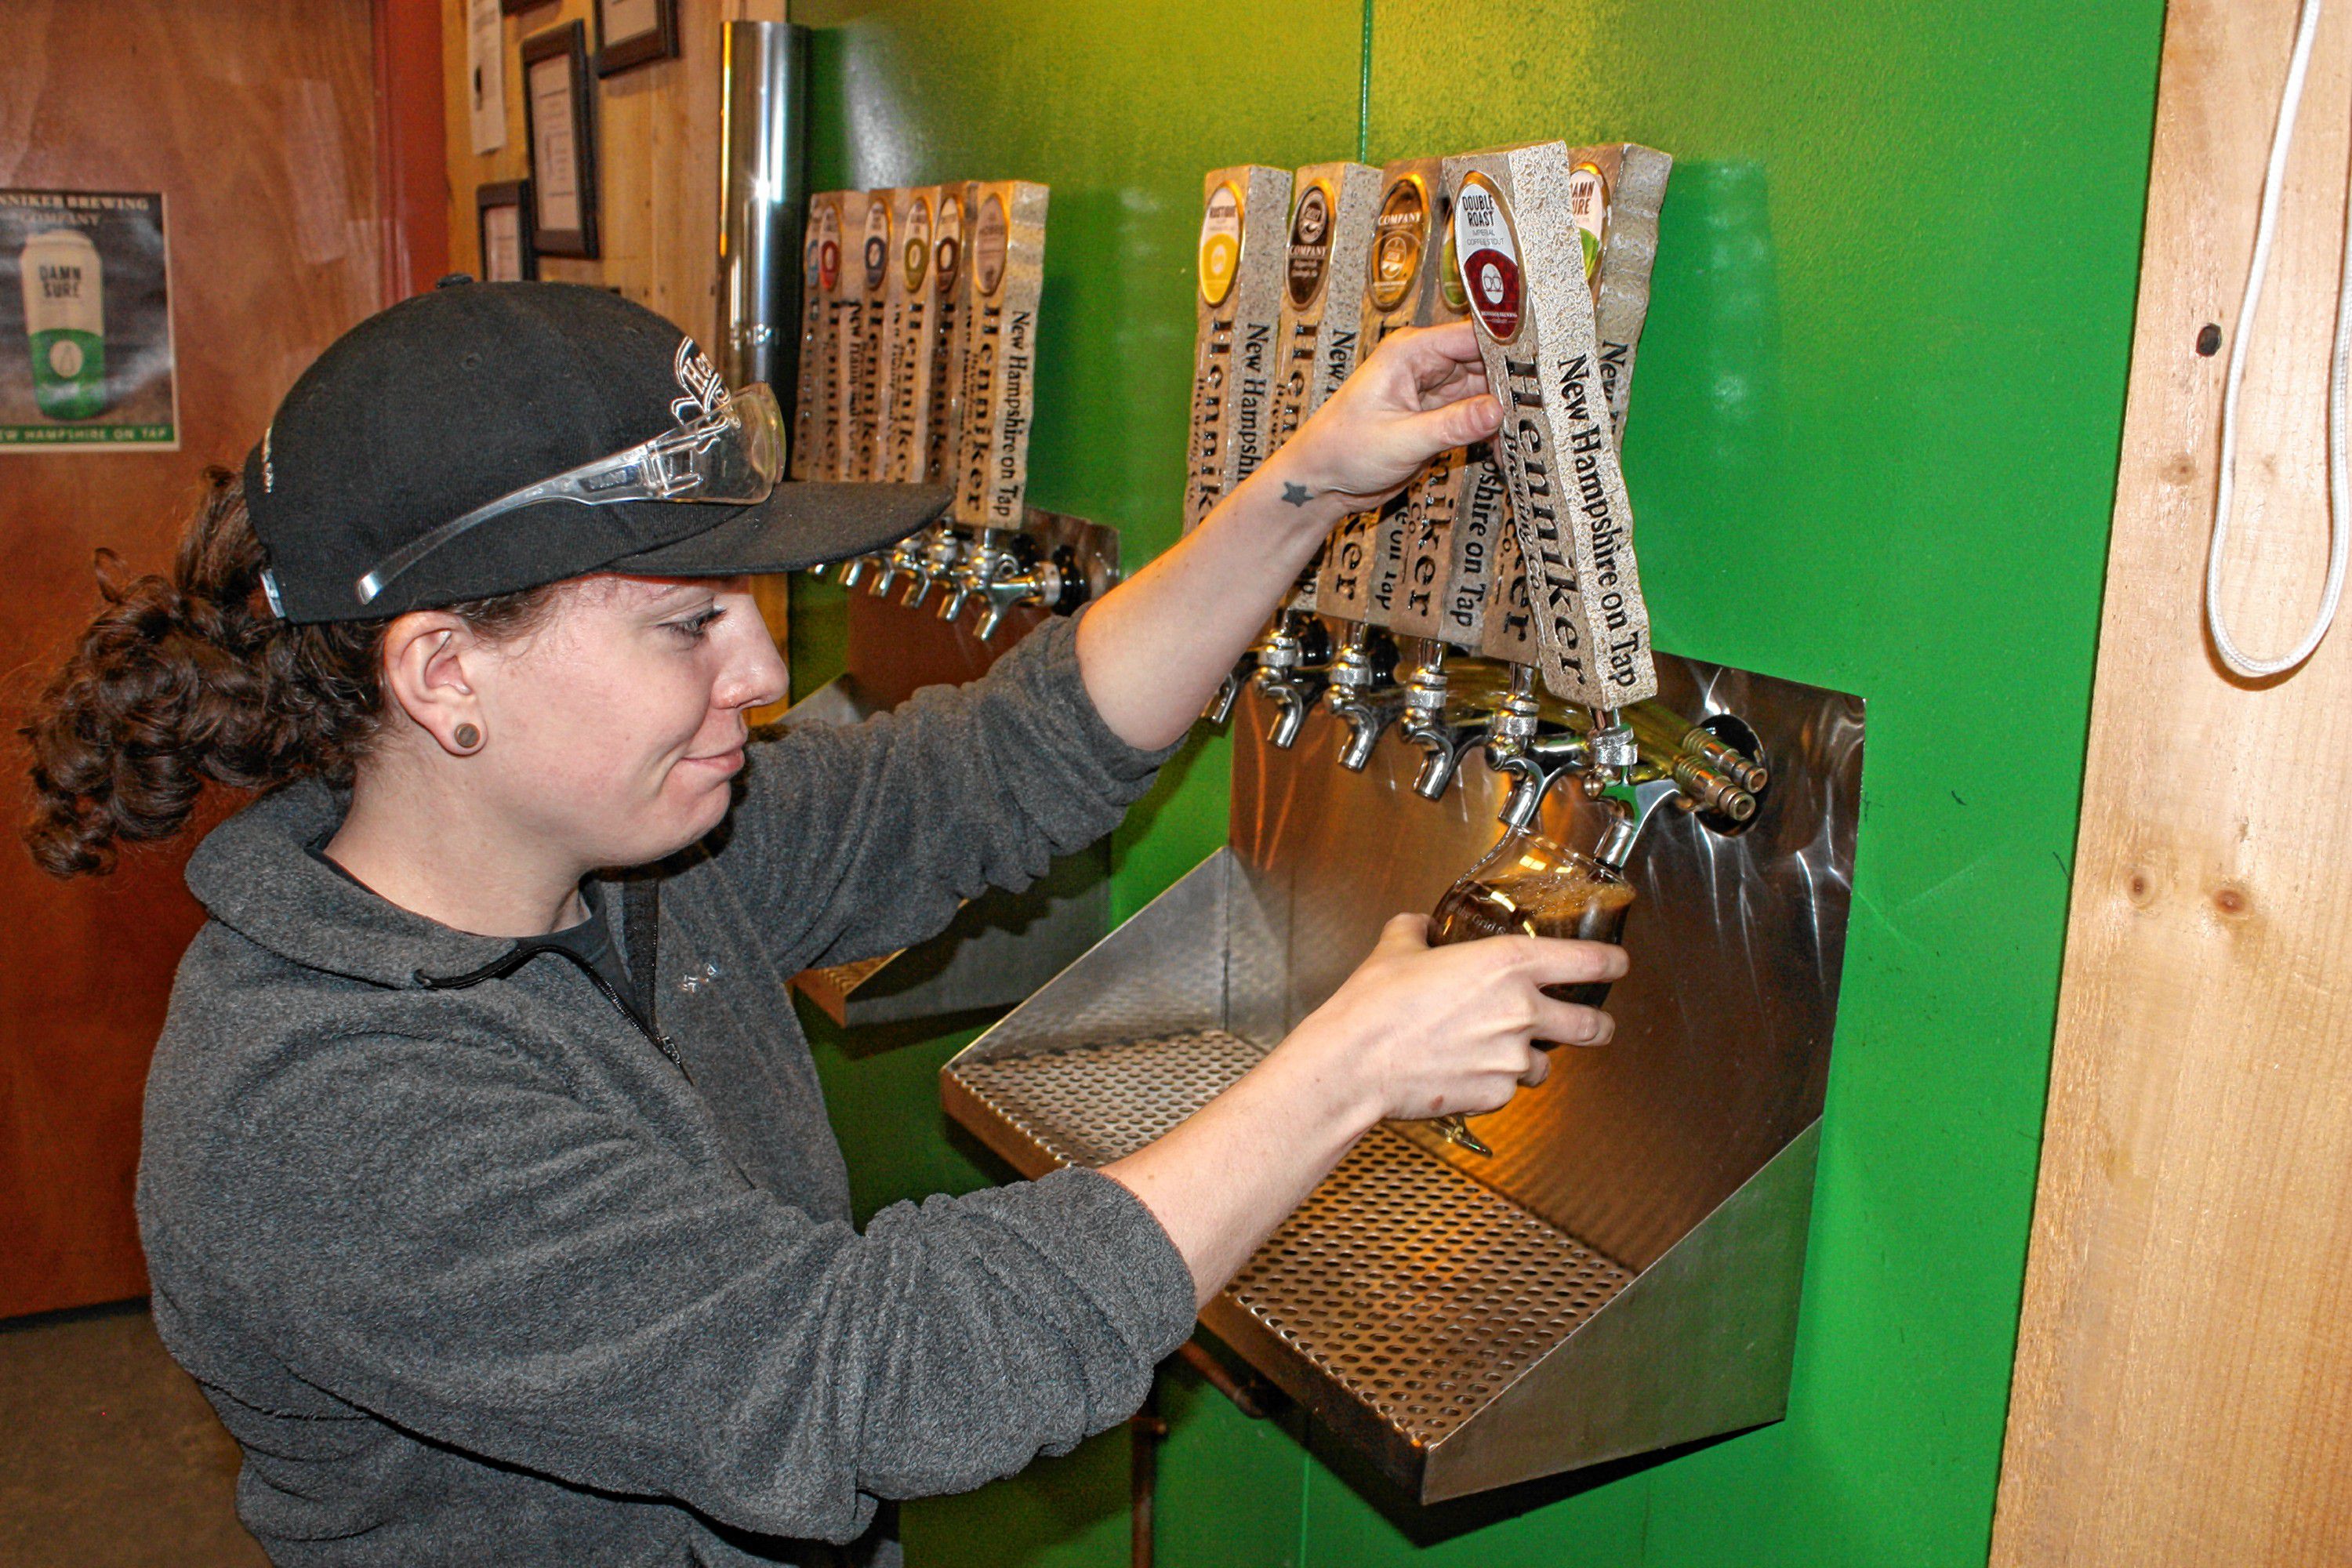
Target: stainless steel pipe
(763,200)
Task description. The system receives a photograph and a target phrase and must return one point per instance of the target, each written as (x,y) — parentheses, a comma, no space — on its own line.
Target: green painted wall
(1873,446)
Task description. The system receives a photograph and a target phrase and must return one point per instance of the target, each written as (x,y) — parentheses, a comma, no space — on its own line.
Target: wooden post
(2183,1393)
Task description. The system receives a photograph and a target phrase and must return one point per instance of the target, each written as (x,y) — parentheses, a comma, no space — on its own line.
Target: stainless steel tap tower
(762,195)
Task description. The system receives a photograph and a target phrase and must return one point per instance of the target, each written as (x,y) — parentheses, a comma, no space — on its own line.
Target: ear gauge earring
(468,739)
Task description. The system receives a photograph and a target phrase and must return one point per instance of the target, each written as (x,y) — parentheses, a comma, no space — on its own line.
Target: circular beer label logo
(1220,244)
(1399,237)
(65,358)
(1449,266)
(1310,243)
(989,237)
(1489,250)
(828,248)
(917,251)
(1588,204)
(877,242)
(948,255)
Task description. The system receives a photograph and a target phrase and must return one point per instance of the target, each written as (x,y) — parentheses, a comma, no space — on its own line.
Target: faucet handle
(905,557)
(937,566)
(1041,585)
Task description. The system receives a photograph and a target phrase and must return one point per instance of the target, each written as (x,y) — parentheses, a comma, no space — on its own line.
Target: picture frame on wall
(503,222)
(559,116)
(631,33)
(516,7)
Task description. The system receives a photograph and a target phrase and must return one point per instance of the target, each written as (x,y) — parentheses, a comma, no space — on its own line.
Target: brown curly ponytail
(192,678)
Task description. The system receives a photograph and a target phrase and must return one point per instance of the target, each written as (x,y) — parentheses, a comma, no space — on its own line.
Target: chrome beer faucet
(974,571)
(1291,665)
(1518,747)
(905,557)
(1007,575)
(1447,737)
(1361,695)
(940,557)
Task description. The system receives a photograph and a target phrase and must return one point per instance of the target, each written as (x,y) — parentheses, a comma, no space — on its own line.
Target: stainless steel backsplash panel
(1721,1054)
(1625,1273)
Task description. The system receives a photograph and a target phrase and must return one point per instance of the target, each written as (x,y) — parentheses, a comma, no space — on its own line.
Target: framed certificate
(631,32)
(502,213)
(559,116)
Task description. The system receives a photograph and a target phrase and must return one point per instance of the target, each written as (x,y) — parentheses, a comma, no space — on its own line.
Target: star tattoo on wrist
(1295,495)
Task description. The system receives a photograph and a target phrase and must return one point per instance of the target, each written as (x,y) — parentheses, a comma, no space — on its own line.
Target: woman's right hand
(1416,1031)
(1433,1031)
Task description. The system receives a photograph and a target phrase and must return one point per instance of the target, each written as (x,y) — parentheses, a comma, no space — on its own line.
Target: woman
(498,1235)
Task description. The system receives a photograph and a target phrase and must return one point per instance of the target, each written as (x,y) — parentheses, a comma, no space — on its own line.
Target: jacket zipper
(661,1041)
(499,968)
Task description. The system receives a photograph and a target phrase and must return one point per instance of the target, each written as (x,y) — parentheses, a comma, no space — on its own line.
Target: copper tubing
(1249,1396)
(1145,1430)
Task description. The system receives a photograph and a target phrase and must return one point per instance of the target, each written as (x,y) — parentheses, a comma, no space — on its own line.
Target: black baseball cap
(457,397)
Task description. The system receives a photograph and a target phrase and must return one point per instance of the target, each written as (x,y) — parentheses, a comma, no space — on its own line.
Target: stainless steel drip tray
(1454,1336)
(1416,1293)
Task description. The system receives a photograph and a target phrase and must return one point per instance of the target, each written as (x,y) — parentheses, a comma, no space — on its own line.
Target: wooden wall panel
(657,151)
(2183,1391)
(255,118)
(657,158)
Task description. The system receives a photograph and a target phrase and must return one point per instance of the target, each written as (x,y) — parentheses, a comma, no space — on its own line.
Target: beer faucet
(1428,724)
(1361,695)
(979,565)
(1292,663)
(1220,706)
(905,557)
(938,563)
(854,570)
(1004,576)
(1614,753)
(1518,748)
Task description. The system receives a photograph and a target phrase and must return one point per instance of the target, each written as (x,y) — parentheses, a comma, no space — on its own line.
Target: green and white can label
(1489,250)
(990,238)
(1588,204)
(1310,243)
(65,318)
(1220,243)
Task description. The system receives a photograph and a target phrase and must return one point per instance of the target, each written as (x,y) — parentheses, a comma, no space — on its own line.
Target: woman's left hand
(1158,645)
(1422,391)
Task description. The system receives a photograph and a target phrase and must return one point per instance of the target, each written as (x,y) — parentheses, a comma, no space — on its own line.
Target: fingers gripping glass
(733,454)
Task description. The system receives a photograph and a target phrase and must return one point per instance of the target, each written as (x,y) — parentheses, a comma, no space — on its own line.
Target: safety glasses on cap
(733,454)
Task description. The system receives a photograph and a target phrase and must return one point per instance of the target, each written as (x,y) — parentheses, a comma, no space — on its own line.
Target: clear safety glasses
(734,454)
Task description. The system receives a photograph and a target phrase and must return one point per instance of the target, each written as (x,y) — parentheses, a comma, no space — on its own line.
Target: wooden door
(256,120)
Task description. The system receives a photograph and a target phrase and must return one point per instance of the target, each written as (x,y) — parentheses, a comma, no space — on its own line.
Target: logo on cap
(705,393)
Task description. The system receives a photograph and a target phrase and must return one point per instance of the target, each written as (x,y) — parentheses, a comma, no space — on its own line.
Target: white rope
(2339,481)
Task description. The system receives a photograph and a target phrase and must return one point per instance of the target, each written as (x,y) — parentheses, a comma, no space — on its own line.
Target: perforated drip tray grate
(1411,1289)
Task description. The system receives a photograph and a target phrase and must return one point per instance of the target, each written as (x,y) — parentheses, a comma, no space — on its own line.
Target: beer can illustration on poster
(87,359)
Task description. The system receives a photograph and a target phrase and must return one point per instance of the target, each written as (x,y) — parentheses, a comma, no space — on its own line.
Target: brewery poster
(85,323)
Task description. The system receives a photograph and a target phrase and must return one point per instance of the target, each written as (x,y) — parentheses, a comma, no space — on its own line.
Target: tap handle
(1221,701)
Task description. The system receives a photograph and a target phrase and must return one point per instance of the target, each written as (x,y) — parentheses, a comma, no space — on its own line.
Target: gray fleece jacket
(479,1268)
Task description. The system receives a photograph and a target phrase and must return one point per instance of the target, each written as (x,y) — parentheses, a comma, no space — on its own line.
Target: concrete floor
(110,1457)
